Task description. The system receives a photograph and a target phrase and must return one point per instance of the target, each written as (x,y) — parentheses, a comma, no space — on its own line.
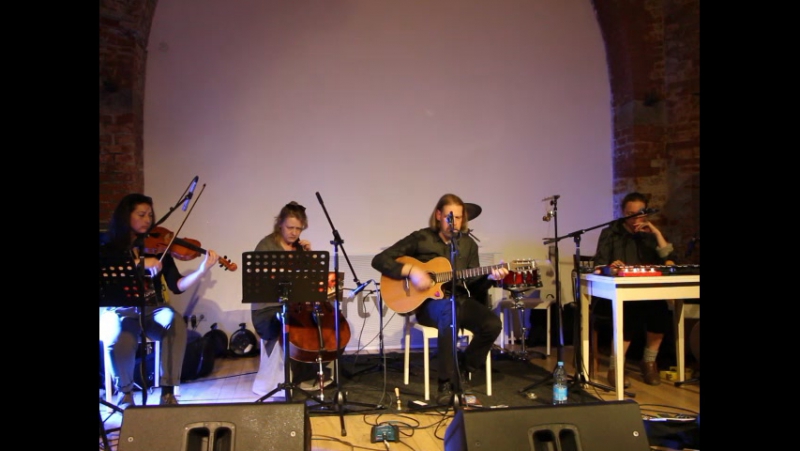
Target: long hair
(449,199)
(119,228)
(290,210)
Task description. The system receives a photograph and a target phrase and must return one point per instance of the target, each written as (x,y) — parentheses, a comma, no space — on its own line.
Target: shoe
(168,399)
(126,401)
(612,379)
(445,396)
(650,373)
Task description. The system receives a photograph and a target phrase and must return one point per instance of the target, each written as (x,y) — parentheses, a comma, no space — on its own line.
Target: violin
(160,240)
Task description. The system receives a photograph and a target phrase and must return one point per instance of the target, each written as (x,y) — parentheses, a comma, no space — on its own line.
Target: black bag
(199,358)
(219,339)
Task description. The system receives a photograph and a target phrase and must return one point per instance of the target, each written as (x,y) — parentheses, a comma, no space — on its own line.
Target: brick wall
(653,55)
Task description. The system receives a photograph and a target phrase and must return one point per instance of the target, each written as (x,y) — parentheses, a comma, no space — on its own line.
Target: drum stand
(278,272)
(524,353)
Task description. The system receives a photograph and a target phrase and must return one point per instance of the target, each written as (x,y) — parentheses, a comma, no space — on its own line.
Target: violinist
(285,236)
(120,327)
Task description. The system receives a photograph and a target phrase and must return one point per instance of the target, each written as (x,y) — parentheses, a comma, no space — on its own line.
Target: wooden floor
(232,380)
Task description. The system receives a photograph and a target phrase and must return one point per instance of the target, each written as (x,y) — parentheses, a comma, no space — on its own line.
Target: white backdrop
(380,106)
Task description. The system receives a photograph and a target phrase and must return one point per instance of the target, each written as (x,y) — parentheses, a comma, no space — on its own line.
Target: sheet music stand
(288,277)
(122,285)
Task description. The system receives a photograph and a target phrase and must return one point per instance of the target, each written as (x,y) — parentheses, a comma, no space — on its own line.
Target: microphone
(648,211)
(191,191)
(450,219)
(548,216)
(361,287)
(555,197)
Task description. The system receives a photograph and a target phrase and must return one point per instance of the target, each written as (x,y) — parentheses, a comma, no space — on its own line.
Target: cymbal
(473,210)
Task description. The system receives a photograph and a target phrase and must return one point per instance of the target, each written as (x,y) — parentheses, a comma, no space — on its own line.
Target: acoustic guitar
(402,297)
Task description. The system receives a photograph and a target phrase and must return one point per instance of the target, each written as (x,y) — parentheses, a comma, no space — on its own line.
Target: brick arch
(652,49)
(124,30)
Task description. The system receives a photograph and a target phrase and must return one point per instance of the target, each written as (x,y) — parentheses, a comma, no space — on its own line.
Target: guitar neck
(442,277)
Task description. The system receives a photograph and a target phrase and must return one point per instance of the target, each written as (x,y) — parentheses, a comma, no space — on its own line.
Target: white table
(637,288)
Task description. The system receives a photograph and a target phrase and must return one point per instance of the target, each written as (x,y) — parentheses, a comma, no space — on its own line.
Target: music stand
(122,285)
(288,277)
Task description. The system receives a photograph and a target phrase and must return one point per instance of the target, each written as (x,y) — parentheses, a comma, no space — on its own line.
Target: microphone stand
(579,378)
(381,365)
(339,399)
(458,395)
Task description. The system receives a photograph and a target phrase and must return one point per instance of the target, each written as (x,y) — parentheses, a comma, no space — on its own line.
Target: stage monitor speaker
(216,427)
(601,426)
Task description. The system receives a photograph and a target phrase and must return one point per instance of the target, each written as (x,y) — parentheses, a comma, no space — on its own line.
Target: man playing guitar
(411,262)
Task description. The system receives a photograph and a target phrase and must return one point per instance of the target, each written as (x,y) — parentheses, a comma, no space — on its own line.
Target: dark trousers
(474,316)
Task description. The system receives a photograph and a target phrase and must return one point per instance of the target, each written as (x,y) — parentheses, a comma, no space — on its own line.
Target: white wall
(380,106)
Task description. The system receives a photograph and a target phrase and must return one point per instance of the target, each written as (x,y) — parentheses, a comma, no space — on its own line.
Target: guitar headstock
(521,265)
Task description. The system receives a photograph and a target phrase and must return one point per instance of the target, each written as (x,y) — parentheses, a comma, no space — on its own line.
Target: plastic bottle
(560,384)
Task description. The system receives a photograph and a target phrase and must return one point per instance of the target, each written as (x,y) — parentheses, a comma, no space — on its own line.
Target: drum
(522,275)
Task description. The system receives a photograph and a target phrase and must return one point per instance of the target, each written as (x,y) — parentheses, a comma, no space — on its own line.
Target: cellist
(289,224)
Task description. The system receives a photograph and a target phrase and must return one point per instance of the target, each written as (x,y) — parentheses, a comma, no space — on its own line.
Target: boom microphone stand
(339,398)
(381,365)
(578,379)
(553,213)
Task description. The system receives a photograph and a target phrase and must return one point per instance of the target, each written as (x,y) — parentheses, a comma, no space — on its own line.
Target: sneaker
(445,396)
(126,401)
(168,399)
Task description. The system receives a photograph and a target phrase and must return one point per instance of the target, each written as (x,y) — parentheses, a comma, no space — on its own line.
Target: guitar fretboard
(442,277)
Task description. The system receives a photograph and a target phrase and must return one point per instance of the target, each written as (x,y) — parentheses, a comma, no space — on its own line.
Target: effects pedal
(384,432)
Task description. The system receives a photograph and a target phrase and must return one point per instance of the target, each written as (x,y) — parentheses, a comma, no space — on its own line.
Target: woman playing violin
(120,327)
(285,236)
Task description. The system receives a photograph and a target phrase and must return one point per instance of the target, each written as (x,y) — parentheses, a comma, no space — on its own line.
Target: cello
(312,327)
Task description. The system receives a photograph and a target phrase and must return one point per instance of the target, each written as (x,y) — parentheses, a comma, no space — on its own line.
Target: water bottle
(560,384)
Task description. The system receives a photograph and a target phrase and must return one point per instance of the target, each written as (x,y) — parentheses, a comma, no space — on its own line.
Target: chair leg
(407,346)
(426,360)
(489,374)
(107,371)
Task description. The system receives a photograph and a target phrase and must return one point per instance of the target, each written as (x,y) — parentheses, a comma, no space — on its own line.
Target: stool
(519,305)
(429,333)
(156,370)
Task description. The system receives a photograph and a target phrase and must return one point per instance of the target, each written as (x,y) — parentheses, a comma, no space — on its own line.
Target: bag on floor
(199,358)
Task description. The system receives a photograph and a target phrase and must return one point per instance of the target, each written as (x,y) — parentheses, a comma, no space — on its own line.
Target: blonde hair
(290,210)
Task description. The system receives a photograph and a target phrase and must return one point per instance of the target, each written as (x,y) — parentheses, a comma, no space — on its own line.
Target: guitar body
(401,295)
